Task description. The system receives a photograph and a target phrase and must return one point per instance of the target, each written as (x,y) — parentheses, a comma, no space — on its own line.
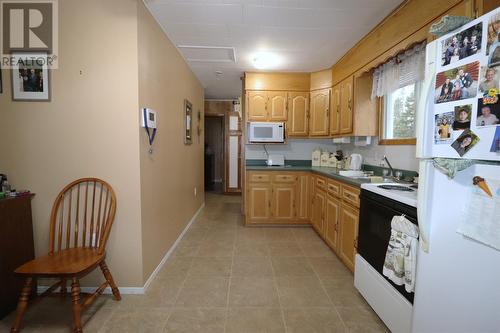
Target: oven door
(376,213)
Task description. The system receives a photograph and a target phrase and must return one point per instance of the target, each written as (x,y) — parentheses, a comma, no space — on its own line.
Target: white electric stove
(404,193)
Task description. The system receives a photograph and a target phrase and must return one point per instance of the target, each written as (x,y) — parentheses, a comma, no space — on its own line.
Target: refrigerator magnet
(463,115)
(457,83)
(495,145)
(488,110)
(465,142)
(444,130)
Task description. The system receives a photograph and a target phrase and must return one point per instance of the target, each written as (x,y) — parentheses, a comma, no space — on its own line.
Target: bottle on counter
(5,186)
(316,158)
(332,161)
(325,157)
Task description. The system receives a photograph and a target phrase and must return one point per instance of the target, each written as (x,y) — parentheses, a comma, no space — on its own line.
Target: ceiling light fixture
(266,60)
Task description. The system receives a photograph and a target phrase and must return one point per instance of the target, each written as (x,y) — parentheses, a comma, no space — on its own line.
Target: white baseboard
(172,248)
(140,290)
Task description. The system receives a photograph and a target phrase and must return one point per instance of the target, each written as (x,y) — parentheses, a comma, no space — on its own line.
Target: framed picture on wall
(1,85)
(30,79)
(188,122)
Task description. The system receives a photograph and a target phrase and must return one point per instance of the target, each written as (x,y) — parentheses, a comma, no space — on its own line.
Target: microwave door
(263,133)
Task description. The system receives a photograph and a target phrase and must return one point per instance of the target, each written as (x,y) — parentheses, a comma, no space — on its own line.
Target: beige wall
(170,175)
(113,59)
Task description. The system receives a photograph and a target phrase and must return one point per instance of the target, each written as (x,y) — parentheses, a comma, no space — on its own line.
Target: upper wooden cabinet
(257,106)
(277,105)
(335,110)
(346,105)
(298,114)
(319,113)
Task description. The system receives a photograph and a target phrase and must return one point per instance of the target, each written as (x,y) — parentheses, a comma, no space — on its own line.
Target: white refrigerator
(458,263)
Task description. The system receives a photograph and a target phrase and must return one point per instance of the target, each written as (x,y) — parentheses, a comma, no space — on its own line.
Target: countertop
(323,171)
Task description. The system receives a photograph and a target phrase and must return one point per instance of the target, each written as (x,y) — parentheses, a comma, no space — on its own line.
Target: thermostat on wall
(148,117)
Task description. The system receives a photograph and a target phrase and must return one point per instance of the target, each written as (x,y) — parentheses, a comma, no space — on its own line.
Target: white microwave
(260,132)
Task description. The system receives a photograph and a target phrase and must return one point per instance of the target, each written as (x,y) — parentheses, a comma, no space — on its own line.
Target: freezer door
(457,286)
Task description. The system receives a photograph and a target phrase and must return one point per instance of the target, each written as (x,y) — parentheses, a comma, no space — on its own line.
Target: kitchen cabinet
(298,114)
(266,106)
(277,105)
(346,105)
(277,198)
(319,113)
(303,197)
(259,202)
(318,211)
(332,221)
(348,237)
(335,110)
(257,105)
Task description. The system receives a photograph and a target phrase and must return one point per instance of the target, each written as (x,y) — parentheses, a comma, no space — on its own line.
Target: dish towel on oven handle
(401,258)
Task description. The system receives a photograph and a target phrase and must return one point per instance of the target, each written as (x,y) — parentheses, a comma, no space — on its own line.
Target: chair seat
(66,262)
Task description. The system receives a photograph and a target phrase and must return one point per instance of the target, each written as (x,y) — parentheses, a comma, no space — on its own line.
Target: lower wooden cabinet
(332,207)
(332,222)
(349,221)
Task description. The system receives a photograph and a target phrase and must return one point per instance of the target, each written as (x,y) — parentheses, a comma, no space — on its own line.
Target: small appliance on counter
(356,161)
(275,160)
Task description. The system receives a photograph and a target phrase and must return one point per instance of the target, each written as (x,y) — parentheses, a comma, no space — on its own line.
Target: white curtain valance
(402,70)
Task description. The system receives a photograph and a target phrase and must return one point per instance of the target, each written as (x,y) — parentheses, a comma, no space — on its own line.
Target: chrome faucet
(389,165)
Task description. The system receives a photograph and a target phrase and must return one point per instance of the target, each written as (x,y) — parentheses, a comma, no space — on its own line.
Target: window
(398,121)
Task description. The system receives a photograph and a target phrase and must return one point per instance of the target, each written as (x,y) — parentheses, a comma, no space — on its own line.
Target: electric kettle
(356,162)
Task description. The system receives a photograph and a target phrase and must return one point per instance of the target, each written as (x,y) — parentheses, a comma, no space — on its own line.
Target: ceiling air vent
(196,53)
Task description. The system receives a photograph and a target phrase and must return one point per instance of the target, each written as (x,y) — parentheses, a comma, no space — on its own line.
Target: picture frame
(30,80)
(1,84)
(188,122)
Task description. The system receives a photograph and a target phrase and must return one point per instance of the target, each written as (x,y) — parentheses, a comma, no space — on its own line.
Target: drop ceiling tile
(198,13)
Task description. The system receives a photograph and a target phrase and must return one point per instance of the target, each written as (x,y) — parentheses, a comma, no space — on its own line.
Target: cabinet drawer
(350,195)
(259,178)
(284,178)
(333,188)
(320,183)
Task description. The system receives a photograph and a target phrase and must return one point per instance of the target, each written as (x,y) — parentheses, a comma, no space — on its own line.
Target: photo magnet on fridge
(462,117)
(488,110)
(493,40)
(495,145)
(465,142)
(490,77)
(457,83)
(444,131)
(462,45)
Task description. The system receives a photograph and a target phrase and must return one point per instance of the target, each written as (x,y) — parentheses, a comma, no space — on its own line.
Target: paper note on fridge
(481,219)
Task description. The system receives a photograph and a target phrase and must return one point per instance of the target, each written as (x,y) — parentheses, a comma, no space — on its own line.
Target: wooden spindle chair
(80,224)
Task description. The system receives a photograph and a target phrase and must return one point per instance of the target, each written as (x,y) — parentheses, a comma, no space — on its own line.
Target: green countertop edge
(304,165)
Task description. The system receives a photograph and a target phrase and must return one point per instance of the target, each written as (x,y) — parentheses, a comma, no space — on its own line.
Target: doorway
(214,153)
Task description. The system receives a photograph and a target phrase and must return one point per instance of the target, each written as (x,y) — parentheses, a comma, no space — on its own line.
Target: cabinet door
(349,219)
(318,213)
(335,110)
(277,105)
(320,108)
(283,203)
(346,105)
(259,202)
(257,106)
(332,221)
(303,202)
(298,114)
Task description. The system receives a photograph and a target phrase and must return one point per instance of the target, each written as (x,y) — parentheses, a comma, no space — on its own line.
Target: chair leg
(77,308)
(22,305)
(63,287)
(109,278)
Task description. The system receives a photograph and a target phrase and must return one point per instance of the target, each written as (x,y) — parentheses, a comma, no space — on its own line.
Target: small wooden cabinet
(332,221)
(16,248)
(346,105)
(318,210)
(277,198)
(266,106)
(349,221)
(298,114)
(319,123)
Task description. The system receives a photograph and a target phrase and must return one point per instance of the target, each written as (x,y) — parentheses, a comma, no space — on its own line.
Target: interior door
(257,106)
(277,105)
(320,107)
(346,105)
(298,114)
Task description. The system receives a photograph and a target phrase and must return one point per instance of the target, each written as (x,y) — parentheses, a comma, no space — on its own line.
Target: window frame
(382,117)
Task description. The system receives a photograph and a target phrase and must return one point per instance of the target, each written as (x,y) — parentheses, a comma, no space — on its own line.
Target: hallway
(224,277)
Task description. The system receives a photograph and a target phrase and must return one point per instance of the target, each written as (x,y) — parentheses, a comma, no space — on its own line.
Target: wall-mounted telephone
(148,121)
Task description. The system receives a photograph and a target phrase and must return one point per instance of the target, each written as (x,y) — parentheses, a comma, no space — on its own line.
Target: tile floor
(224,277)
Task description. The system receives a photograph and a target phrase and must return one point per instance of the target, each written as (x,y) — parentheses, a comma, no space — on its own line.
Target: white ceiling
(308,35)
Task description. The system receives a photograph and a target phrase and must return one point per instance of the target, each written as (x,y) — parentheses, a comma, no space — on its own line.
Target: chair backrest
(82,215)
